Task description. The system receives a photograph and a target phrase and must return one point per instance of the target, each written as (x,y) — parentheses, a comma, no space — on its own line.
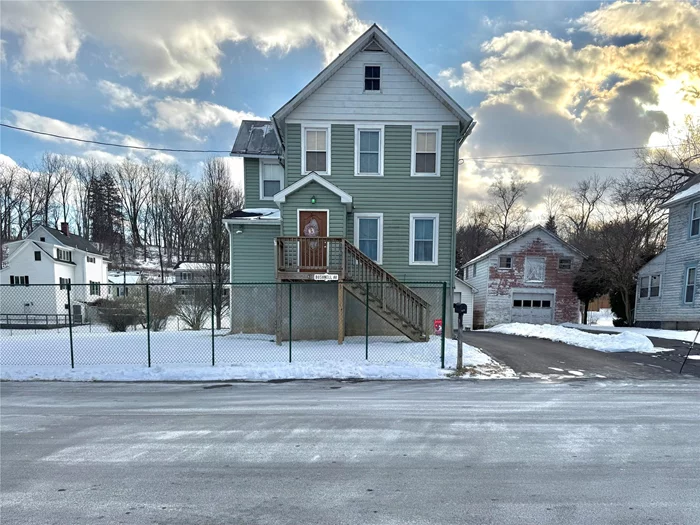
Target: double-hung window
(316,158)
(373,78)
(689,288)
(644,287)
(695,219)
(368,152)
(95,288)
(19,279)
(63,282)
(425,152)
(424,238)
(369,233)
(63,255)
(271,179)
(655,285)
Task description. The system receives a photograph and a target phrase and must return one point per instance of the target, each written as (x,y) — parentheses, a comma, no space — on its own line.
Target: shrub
(118,313)
(194,307)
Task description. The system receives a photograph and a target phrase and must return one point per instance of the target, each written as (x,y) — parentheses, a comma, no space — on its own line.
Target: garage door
(535,308)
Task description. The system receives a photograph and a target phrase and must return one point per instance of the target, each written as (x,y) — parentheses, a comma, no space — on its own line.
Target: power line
(112,144)
(549,154)
(551,165)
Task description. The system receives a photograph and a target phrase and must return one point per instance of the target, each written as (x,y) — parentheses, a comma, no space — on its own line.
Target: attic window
(372,78)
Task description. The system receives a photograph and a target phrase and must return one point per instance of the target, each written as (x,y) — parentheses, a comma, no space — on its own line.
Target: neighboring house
(120,282)
(526,279)
(464,293)
(354,179)
(187,275)
(668,286)
(50,256)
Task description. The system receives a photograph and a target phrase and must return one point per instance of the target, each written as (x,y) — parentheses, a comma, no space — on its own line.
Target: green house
(350,187)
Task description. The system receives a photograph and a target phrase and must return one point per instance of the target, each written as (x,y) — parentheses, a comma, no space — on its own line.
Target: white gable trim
(281,197)
(395,51)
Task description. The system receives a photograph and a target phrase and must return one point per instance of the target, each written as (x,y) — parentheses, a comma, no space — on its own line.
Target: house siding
(325,200)
(251,185)
(396,194)
(651,308)
(402,97)
(493,303)
(681,251)
(253,253)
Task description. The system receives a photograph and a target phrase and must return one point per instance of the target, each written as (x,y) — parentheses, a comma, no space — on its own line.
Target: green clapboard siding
(396,194)
(253,253)
(325,200)
(251,184)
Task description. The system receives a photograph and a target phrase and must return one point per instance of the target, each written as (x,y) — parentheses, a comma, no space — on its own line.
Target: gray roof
(256,138)
(74,241)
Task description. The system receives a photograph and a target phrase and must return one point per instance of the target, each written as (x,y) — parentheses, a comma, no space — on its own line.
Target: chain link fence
(215,324)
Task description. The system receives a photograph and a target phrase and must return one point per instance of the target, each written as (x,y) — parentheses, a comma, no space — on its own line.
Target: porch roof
(345,198)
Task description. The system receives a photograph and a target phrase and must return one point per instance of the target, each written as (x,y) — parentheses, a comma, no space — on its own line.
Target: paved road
(527,355)
(490,452)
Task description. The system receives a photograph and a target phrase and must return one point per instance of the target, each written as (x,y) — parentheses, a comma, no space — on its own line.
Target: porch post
(341,312)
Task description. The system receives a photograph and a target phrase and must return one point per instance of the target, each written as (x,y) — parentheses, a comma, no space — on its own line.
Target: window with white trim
(369,234)
(689,289)
(19,279)
(505,262)
(271,179)
(316,150)
(368,151)
(695,219)
(63,282)
(186,276)
(424,238)
(63,255)
(655,285)
(373,78)
(95,288)
(644,287)
(534,269)
(90,259)
(425,154)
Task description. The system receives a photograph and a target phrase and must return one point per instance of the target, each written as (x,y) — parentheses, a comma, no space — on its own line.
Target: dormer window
(372,78)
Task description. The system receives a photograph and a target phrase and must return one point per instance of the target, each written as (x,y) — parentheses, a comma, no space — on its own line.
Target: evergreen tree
(551,225)
(590,282)
(105,210)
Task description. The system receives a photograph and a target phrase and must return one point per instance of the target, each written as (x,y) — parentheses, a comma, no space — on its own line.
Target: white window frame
(500,267)
(530,260)
(645,288)
(438,142)
(316,127)
(380,232)
(686,284)
(693,219)
(412,238)
(261,180)
(67,253)
(651,280)
(90,259)
(364,78)
(380,129)
(186,276)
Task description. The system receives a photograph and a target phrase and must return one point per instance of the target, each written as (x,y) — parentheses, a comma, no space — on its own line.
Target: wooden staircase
(357,274)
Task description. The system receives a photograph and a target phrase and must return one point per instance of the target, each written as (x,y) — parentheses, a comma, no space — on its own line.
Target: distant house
(527,279)
(51,256)
(464,293)
(187,275)
(668,286)
(121,282)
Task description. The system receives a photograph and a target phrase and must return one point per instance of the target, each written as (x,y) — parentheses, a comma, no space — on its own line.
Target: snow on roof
(123,278)
(255,214)
(196,266)
(686,192)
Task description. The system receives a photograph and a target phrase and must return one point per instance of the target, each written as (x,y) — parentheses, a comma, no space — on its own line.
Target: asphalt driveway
(532,356)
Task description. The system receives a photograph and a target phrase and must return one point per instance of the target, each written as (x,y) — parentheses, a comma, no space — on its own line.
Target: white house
(464,293)
(121,281)
(668,286)
(51,257)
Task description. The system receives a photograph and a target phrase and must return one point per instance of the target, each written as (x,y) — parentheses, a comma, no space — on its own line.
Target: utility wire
(550,165)
(113,144)
(549,154)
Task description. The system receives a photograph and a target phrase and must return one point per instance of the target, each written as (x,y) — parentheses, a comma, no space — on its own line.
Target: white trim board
(261,164)
(369,127)
(380,232)
(345,198)
(319,126)
(438,146)
(412,238)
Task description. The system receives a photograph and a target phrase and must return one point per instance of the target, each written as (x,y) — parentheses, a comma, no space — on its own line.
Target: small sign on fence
(325,277)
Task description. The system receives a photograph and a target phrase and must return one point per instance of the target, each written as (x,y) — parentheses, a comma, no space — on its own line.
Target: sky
(536,76)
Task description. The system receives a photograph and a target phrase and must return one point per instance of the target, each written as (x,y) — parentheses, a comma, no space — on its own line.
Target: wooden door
(313,252)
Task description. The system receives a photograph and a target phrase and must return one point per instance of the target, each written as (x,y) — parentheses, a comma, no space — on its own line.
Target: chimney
(64,229)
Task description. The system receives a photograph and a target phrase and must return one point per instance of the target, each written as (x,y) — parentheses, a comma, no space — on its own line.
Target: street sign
(325,277)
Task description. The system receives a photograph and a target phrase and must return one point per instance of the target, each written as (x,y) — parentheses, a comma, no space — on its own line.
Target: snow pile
(678,335)
(186,356)
(603,317)
(623,342)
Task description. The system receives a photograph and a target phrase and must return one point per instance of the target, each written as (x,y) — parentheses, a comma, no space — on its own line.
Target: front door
(313,252)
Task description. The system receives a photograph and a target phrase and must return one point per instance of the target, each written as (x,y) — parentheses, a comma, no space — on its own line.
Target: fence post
(367,320)
(444,314)
(212,323)
(70,327)
(148,325)
(290,322)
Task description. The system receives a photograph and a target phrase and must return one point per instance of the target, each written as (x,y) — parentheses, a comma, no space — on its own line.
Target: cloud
(190,116)
(107,157)
(163,157)
(47,31)
(626,85)
(7,161)
(122,97)
(25,119)
(179,45)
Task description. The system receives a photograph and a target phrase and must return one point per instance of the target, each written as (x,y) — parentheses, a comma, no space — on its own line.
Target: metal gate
(534,308)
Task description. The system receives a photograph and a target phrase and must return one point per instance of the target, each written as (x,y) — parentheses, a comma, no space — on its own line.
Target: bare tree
(508,217)
(132,183)
(473,234)
(585,199)
(52,169)
(554,203)
(10,196)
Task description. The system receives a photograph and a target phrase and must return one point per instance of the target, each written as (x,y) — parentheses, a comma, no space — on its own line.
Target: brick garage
(526,279)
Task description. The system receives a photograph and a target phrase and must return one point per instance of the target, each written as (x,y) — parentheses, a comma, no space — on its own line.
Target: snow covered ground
(679,335)
(186,356)
(622,342)
(603,317)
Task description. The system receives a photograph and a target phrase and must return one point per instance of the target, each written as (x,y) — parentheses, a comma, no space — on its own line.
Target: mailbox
(460,310)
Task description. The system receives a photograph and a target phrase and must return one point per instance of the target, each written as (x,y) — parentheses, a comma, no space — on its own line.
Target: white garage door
(535,308)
